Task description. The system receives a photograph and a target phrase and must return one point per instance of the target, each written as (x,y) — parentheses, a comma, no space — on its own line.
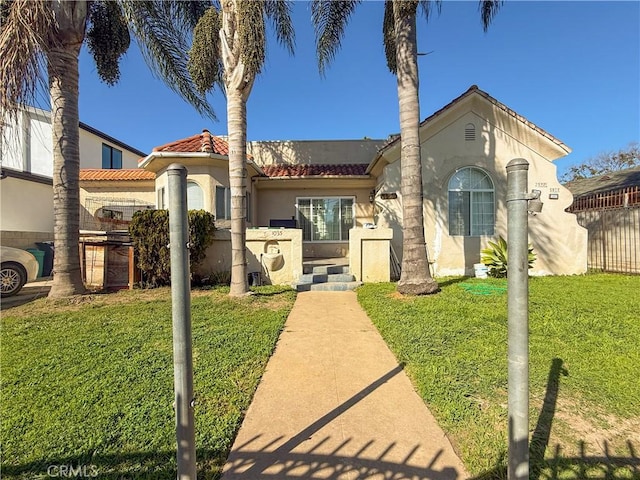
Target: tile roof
(130,174)
(474,89)
(319,170)
(202,142)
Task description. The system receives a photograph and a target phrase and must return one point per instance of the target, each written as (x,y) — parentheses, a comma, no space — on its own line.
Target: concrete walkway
(335,404)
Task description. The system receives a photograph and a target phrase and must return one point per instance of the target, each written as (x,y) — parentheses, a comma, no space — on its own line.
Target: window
(471,203)
(248,206)
(112,214)
(111,157)
(223,203)
(325,219)
(161,203)
(195,197)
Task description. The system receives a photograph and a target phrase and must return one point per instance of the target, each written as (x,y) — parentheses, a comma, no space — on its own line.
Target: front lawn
(584,369)
(88,384)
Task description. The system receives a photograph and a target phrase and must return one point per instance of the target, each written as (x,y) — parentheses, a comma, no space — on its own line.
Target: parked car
(18,268)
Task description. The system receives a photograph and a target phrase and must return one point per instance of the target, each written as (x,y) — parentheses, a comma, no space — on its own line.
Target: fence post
(181,314)
(518,319)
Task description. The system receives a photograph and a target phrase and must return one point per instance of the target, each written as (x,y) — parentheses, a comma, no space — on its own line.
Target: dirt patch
(581,429)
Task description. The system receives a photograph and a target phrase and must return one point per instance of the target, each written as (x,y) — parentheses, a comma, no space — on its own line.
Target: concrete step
(324,278)
(325,269)
(327,286)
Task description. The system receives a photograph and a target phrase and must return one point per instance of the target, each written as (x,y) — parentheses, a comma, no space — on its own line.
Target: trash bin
(39,254)
(47,266)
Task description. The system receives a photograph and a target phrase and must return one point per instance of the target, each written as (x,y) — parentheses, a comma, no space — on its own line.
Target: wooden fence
(613,222)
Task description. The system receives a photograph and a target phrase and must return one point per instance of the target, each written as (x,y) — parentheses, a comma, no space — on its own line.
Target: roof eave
(146,161)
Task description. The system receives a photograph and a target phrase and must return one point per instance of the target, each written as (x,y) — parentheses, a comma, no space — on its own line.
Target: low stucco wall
(275,253)
(369,255)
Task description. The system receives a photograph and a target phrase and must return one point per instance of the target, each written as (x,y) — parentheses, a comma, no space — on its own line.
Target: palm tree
(399,37)
(229,51)
(41,40)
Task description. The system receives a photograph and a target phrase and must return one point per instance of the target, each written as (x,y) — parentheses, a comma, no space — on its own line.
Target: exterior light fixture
(372,196)
(535,204)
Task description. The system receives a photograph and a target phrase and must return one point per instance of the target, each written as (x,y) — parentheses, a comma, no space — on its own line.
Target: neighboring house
(26,205)
(326,188)
(608,206)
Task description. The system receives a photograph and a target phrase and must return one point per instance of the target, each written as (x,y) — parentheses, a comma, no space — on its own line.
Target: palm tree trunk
(415,278)
(237,128)
(63,88)
(238,86)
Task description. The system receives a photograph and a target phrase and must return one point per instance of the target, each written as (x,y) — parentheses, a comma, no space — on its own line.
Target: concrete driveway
(38,289)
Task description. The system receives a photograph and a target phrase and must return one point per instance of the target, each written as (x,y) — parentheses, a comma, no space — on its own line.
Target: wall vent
(469,132)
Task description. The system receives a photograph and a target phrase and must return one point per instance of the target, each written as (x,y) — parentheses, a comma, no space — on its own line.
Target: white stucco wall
(91,152)
(27,145)
(18,215)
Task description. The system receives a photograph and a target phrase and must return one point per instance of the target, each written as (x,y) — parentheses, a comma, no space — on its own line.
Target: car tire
(12,279)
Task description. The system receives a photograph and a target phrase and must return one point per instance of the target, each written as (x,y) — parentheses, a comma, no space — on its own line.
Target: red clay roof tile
(131,174)
(202,142)
(319,170)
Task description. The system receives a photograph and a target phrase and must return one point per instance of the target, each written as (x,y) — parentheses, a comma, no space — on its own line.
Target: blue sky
(572,68)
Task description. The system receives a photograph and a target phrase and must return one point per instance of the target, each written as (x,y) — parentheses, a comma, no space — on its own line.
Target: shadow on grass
(557,466)
(452,281)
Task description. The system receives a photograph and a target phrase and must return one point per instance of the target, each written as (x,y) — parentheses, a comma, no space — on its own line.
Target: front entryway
(326,274)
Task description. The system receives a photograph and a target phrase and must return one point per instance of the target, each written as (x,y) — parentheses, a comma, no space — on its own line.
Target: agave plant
(496,259)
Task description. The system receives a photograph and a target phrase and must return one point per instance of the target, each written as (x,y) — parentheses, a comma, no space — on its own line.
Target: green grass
(584,337)
(91,383)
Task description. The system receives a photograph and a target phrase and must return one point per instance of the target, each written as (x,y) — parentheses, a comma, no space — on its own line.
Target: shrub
(149,232)
(495,257)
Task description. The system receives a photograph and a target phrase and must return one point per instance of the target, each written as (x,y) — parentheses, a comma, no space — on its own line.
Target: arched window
(469,132)
(471,203)
(195,197)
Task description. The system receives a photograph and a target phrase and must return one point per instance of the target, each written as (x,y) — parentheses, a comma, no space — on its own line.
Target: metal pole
(181,313)
(518,319)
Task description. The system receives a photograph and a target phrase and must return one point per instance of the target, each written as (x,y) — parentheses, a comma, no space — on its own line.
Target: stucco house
(330,192)
(26,193)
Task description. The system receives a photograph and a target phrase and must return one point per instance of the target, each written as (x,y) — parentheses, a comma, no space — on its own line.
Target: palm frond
(251,35)
(426,7)
(330,17)
(279,12)
(187,13)
(24,39)
(164,48)
(488,10)
(107,39)
(389,36)
(205,63)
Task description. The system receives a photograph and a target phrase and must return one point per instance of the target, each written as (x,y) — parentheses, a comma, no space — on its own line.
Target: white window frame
(471,202)
(329,197)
